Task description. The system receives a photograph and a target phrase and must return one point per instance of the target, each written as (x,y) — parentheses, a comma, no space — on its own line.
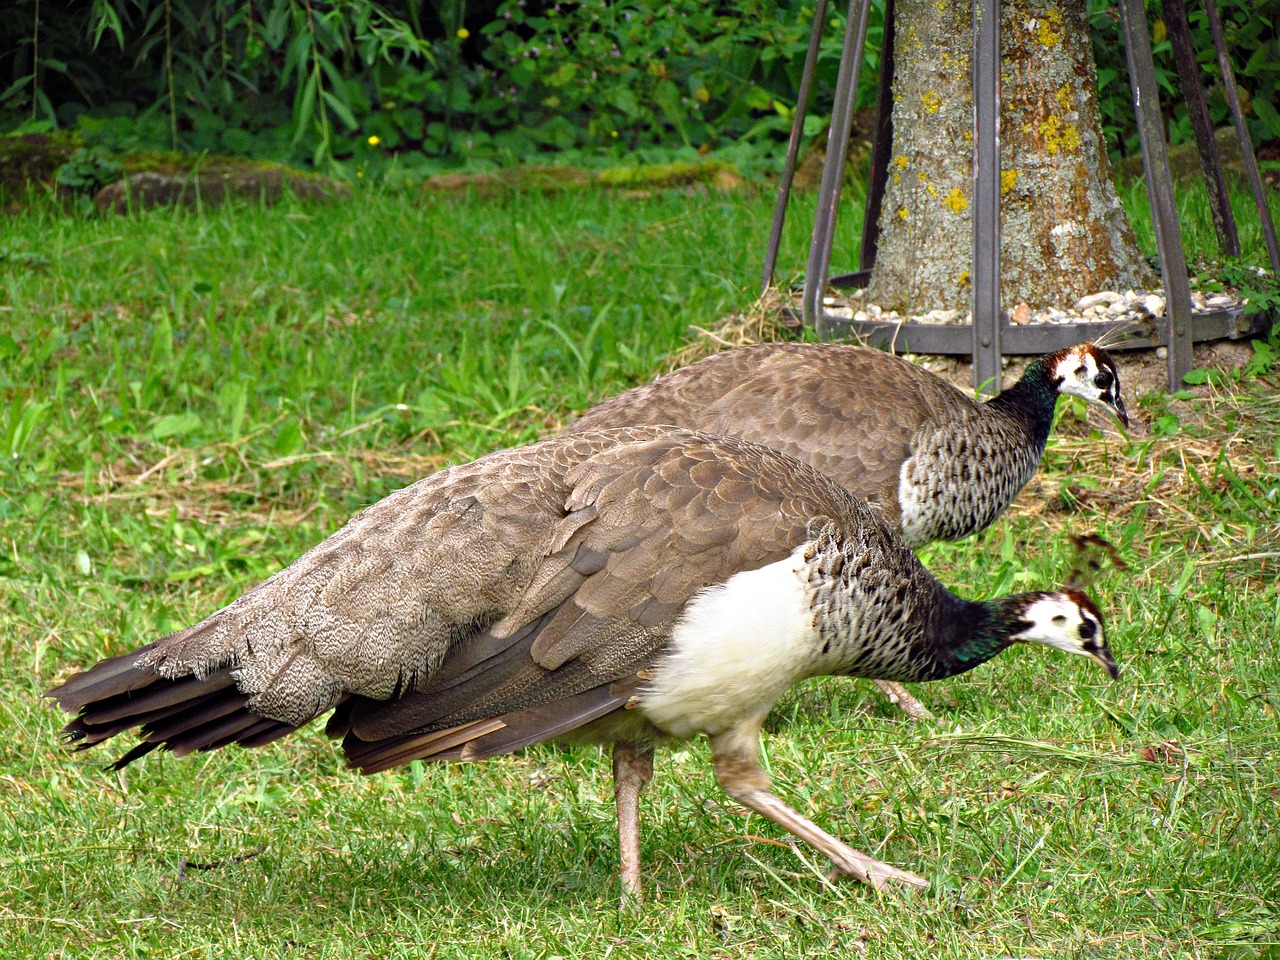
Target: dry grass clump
(220,483)
(762,322)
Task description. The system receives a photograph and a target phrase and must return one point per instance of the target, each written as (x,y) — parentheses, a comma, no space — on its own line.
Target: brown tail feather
(382,755)
(211,708)
(270,734)
(103,720)
(155,697)
(538,724)
(139,750)
(208,736)
(482,739)
(110,677)
(182,715)
(261,726)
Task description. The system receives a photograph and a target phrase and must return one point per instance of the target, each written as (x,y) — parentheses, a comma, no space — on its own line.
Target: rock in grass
(537,178)
(213,186)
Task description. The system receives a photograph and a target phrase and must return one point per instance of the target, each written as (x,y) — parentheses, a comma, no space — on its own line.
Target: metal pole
(824,221)
(881,150)
(1184,57)
(1155,163)
(985,290)
(793,144)
(1242,134)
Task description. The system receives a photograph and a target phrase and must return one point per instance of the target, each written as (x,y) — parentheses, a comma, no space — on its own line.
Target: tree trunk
(1063,232)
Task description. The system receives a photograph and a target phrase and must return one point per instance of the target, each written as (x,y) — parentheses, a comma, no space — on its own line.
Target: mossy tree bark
(1063,232)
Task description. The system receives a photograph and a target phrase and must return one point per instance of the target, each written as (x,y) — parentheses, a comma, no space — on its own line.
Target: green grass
(190,401)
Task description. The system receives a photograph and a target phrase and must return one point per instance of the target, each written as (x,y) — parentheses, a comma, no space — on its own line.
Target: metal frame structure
(991,335)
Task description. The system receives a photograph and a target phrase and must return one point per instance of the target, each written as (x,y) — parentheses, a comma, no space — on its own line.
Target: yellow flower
(463,33)
(613,133)
(374,140)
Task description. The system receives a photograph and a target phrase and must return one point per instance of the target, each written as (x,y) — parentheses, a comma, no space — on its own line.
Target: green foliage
(374,86)
(405,86)
(598,72)
(87,169)
(1252,35)
(278,79)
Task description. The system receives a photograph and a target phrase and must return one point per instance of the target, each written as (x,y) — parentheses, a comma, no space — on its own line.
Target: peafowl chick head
(1066,620)
(1088,371)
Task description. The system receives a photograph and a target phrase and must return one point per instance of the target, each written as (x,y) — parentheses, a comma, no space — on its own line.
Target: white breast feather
(911,502)
(738,647)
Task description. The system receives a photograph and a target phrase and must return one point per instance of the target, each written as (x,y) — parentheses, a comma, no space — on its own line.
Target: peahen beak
(1118,405)
(1102,654)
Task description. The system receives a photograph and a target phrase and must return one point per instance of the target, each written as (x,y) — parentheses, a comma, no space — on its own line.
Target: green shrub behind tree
(432,85)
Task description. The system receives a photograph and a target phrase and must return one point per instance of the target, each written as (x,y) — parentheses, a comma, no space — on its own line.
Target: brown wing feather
(501,587)
(851,412)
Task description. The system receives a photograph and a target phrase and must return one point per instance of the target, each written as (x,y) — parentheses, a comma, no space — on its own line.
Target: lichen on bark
(1063,231)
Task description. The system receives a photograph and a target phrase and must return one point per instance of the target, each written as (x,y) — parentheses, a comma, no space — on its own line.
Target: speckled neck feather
(1032,399)
(881,615)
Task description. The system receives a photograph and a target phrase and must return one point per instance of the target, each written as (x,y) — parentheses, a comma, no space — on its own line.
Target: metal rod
(881,149)
(824,221)
(1155,164)
(1184,58)
(793,144)
(1242,134)
(985,276)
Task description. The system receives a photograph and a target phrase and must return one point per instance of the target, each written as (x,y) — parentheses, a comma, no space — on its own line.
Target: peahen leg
(736,754)
(632,768)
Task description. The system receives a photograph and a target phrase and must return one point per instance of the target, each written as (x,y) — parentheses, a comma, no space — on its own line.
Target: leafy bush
(277,78)
(403,84)
(594,72)
(1251,33)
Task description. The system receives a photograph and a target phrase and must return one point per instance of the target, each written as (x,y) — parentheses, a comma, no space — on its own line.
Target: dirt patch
(1142,372)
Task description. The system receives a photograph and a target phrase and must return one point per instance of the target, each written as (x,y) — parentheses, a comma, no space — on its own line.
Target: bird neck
(1032,400)
(968,633)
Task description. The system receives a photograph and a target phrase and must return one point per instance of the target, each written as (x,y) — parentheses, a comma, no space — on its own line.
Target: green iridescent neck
(974,632)
(1033,398)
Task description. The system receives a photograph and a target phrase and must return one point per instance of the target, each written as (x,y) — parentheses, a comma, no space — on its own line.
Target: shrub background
(430,86)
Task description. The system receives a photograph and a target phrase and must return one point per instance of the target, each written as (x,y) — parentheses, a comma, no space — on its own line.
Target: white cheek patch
(1053,620)
(1078,373)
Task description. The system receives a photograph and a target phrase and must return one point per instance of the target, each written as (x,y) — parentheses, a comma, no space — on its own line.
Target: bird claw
(879,875)
(904,701)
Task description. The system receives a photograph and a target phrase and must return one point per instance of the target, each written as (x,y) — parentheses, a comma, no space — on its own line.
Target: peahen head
(1086,370)
(1066,620)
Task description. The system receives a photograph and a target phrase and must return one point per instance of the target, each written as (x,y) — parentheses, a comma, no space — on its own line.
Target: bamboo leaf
(304,106)
(341,109)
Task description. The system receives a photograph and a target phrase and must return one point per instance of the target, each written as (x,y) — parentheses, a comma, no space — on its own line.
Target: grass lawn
(191,400)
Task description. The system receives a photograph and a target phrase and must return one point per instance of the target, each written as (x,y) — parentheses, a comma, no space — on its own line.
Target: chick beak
(1102,655)
(1118,405)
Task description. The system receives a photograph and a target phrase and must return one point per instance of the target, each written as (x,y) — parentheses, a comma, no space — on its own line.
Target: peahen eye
(1102,380)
